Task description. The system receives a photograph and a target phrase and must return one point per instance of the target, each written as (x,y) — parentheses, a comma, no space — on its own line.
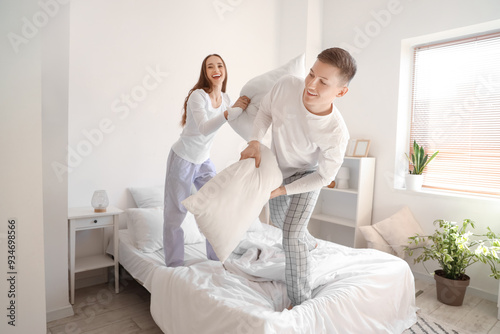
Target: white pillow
(146,229)
(192,234)
(227,205)
(258,87)
(375,240)
(398,228)
(148,197)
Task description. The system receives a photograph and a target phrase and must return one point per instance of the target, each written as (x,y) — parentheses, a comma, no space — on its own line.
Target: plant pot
(450,291)
(414,181)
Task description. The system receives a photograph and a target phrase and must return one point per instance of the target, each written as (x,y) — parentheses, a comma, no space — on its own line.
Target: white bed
(141,265)
(367,291)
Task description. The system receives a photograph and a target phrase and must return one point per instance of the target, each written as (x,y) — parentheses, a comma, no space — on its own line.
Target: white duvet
(260,262)
(355,291)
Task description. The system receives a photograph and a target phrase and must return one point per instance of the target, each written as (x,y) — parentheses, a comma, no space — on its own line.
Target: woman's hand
(237,108)
(252,151)
(278,192)
(242,102)
(233,113)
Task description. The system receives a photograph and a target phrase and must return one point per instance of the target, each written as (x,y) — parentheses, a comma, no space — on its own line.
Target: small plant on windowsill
(419,160)
(455,248)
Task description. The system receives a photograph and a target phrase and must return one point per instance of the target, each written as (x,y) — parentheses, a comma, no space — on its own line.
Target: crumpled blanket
(260,262)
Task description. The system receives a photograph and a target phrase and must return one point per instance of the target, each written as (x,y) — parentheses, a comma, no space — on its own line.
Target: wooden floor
(476,315)
(98,310)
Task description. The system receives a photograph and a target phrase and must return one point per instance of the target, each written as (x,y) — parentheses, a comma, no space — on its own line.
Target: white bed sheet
(141,265)
(372,292)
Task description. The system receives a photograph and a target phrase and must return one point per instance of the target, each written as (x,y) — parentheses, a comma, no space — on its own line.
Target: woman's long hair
(203,83)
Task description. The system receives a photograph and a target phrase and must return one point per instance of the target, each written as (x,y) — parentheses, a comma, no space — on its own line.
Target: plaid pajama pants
(291,214)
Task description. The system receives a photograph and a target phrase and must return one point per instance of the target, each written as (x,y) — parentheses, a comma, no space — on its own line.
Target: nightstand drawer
(84,223)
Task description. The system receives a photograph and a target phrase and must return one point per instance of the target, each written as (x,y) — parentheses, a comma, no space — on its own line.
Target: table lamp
(342,178)
(100,201)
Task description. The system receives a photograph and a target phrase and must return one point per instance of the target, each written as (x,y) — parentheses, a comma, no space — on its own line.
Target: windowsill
(450,194)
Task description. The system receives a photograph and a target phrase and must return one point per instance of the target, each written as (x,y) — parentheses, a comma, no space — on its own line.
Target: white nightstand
(86,219)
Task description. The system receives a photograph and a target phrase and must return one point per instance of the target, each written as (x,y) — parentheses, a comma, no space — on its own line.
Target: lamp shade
(100,201)
(344,173)
(343,178)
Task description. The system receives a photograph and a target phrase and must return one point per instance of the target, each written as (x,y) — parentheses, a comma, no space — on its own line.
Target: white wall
(371,106)
(114,46)
(21,194)
(293,24)
(300,29)
(55,72)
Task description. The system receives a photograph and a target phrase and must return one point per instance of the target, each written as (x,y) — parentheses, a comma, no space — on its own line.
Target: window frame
(405,99)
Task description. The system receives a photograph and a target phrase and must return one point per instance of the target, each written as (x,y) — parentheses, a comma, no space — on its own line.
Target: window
(456,110)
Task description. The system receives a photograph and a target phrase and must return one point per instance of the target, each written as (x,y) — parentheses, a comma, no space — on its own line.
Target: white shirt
(301,140)
(202,123)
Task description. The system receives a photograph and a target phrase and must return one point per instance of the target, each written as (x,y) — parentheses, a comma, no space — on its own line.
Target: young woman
(206,108)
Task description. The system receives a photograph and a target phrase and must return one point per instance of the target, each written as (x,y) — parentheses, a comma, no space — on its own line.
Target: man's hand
(278,192)
(252,151)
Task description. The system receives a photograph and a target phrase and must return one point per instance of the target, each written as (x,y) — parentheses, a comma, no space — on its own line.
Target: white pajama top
(301,140)
(202,123)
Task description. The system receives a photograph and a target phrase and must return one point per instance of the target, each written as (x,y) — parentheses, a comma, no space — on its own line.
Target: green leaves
(419,160)
(455,248)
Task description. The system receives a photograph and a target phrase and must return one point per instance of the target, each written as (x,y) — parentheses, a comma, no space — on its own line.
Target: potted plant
(419,160)
(455,248)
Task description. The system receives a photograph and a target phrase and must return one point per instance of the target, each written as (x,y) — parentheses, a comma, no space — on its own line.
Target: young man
(309,139)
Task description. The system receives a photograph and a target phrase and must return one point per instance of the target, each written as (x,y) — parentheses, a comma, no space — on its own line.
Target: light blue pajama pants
(291,214)
(181,174)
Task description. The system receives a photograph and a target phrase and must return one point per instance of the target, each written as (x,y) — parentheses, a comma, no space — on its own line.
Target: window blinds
(456,110)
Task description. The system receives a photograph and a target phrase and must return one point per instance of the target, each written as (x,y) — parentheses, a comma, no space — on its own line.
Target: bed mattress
(365,291)
(142,265)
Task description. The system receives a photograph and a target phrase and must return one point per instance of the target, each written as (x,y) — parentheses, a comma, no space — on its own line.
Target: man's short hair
(341,59)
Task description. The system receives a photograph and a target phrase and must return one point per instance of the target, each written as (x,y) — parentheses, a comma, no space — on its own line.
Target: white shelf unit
(339,212)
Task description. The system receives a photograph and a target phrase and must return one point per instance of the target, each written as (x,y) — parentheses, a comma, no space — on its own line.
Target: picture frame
(361,148)
(350,148)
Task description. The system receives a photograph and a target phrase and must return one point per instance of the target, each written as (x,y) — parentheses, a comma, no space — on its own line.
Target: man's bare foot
(315,246)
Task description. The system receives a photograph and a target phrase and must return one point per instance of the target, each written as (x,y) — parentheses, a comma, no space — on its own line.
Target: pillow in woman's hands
(258,87)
